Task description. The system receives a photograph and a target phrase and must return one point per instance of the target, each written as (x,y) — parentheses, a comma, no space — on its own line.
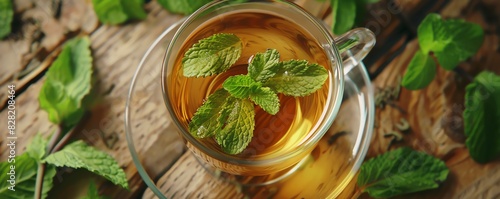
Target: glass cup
(347,79)
(279,159)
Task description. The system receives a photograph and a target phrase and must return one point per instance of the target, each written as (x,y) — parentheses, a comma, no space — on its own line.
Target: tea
(274,135)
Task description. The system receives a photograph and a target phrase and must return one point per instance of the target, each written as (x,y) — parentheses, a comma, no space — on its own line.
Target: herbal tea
(273,135)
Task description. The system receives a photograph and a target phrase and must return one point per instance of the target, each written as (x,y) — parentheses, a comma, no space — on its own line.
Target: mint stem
(63,141)
(39,181)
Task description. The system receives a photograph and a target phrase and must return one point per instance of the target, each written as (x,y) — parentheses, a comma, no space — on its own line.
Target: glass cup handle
(354,46)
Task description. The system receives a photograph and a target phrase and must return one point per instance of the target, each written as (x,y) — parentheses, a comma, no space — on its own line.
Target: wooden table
(41,27)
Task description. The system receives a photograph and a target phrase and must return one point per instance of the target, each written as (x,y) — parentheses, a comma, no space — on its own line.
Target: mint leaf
(239,125)
(37,148)
(212,55)
(481,117)
(182,6)
(92,192)
(118,11)
(297,78)
(67,82)
(204,122)
(80,155)
(420,72)
(344,15)
(6,16)
(134,9)
(25,172)
(399,172)
(241,86)
(263,65)
(266,99)
(452,41)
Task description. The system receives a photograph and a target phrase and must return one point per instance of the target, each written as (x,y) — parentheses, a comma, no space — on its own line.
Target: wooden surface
(40,28)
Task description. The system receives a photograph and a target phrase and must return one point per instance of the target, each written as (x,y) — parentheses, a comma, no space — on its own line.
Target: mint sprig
(448,41)
(228,114)
(212,55)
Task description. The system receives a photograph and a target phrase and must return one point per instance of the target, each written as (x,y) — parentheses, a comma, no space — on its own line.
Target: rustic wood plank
(426,110)
(116,51)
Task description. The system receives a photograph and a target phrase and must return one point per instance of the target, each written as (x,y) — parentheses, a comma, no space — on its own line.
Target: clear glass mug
(278,162)
(347,79)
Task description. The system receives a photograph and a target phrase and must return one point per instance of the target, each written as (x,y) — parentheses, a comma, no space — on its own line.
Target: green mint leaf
(481,117)
(6,16)
(241,86)
(263,65)
(267,100)
(182,6)
(67,82)
(25,172)
(80,155)
(452,41)
(205,121)
(134,9)
(420,72)
(399,172)
(297,78)
(212,55)
(37,148)
(344,15)
(118,11)
(239,125)
(93,193)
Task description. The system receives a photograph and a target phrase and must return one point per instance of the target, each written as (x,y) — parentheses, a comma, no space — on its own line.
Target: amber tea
(274,135)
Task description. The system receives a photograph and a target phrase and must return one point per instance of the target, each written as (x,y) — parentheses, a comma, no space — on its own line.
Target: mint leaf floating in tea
(420,72)
(228,114)
(37,148)
(212,55)
(452,41)
(6,16)
(297,78)
(399,172)
(481,117)
(238,126)
(267,99)
(205,121)
(80,155)
(263,65)
(68,81)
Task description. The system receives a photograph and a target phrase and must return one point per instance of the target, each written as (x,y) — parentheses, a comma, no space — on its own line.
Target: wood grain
(116,51)
(39,32)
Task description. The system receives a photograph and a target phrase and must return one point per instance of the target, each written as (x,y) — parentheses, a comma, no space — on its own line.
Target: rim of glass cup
(332,106)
